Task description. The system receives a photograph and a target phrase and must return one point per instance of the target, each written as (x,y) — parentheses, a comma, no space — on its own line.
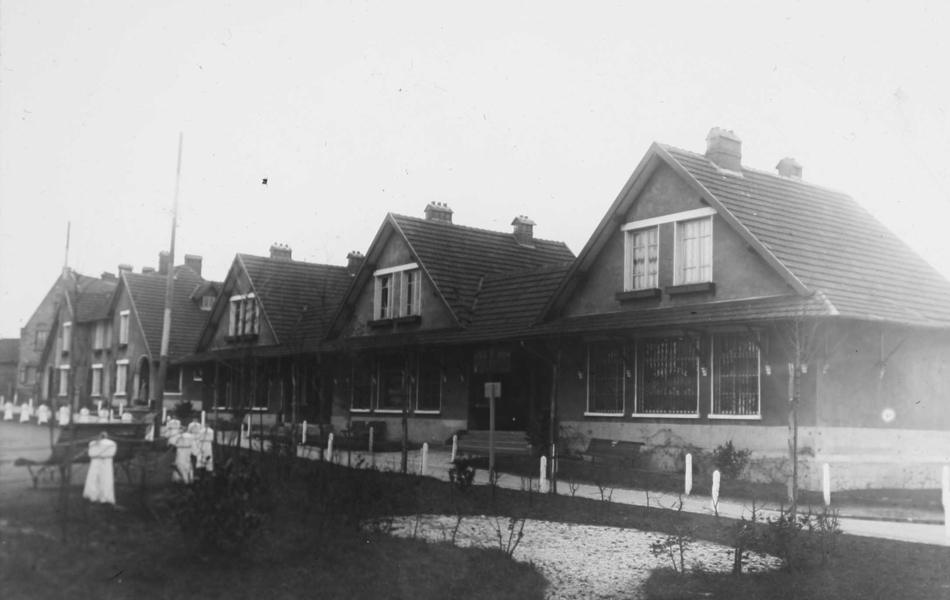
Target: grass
(310,545)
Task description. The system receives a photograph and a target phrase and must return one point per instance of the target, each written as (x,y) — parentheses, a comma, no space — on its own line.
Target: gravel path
(579,561)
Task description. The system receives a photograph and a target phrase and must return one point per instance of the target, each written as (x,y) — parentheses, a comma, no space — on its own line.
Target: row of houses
(710,300)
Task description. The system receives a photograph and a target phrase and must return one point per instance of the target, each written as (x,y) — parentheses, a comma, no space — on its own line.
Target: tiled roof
(298,298)
(91,298)
(148,294)
(831,243)
(458,257)
(749,311)
(10,351)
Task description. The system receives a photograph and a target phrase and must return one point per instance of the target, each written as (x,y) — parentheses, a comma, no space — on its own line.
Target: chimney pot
(523,230)
(193,262)
(438,211)
(724,148)
(148,270)
(164,258)
(353,262)
(281,251)
(107,276)
(789,167)
(125,268)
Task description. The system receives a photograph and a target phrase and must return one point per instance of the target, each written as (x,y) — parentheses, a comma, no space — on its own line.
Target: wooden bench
(72,446)
(612,450)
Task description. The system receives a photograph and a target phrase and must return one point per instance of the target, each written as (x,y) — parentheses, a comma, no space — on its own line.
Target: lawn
(310,544)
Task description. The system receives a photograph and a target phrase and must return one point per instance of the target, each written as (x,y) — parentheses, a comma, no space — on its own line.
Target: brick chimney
(353,262)
(438,211)
(281,251)
(164,258)
(148,270)
(724,148)
(124,268)
(524,230)
(193,262)
(107,276)
(789,167)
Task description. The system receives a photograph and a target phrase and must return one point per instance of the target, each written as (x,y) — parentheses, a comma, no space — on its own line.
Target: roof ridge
(291,262)
(776,176)
(479,229)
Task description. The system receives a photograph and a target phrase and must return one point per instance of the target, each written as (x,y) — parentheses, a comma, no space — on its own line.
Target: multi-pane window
(694,251)
(429,385)
(364,384)
(121,377)
(392,384)
(96,380)
(384,296)
(173,380)
(39,341)
(207,302)
(98,340)
(244,316)
(124,327)
(63,380)
(605,377)
(67,336)
(643,258)
(668,377)
(398,292)
(735,371)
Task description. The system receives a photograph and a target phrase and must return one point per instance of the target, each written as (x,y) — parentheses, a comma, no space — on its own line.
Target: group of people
(43,413)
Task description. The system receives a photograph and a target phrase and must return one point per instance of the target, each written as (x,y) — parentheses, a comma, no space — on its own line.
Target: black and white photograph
(507,301)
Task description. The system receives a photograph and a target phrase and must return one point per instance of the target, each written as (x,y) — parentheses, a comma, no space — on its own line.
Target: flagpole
(169,286)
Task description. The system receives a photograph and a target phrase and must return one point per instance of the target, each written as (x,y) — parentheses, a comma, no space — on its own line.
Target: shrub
(222,510)
(183,410)
(462,473)
(799,538)
(730,461)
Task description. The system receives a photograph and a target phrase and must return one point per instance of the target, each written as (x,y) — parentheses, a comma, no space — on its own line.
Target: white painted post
(455,447)
(164,414)
(946,501)
(371,434)
(330,448)
(543,479)
(202,419)
(99,408)
(425,457)
(689,474)
(715,492)
(826,483)
(303,434)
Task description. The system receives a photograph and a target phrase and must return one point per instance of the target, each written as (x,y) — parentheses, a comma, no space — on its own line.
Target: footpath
(869,525)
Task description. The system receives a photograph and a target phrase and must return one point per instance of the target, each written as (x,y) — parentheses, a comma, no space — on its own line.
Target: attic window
(398,292)
(694,251)
(642,259)
(67,336)
(244,316)
(207,302)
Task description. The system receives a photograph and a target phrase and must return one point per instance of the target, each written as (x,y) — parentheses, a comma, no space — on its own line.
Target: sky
(355,109)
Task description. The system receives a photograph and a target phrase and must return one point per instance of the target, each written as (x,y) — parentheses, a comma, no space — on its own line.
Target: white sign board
(493,389)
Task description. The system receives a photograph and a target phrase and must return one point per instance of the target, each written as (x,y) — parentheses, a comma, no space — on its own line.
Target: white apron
(100,484)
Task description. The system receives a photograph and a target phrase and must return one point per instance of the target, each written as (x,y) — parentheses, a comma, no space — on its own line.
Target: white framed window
(196,374)
(642,259)
(121,376)
(63,380)
(39,342)
(67,335)
(398,292)
(96,380)
(207,302)
(668,377)
(244,317)
(693,251)
(363,389)
(124,327)
(98,340)
(428,385)
(736,389)
(606,381)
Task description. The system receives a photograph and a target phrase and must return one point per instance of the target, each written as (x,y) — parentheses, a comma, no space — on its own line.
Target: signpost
(492,390)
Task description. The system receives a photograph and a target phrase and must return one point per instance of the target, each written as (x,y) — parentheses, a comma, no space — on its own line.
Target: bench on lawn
(72,446)
(612,450)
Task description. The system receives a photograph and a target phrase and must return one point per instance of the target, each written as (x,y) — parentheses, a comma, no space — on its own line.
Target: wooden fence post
(543,479)
(330,447)
(303,434)
(455,446)
(425,457)
(826,483)
(689,474)
(715,492)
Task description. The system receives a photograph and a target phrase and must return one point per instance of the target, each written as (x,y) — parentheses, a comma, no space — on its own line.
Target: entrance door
(511,407)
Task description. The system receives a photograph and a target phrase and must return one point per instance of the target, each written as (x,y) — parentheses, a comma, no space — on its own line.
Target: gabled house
(436,311)
(137,316)
(260,349)
(76,356)
(711,295)
(33,337)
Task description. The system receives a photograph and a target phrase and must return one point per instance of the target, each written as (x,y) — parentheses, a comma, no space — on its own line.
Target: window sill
(389,411)
(428,412)
(597,414)
(633,295)
(692,288)
(377,323)
(408,320)
(736,417)
(360,410)
(664,416)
